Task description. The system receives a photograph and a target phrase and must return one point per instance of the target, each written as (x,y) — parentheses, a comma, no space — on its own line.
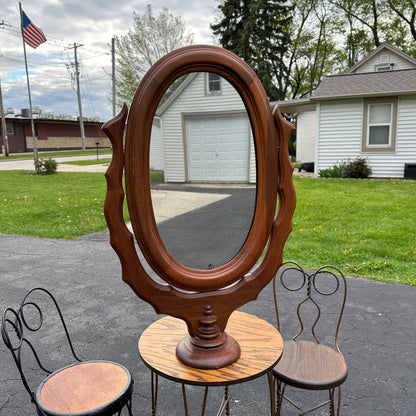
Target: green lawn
(100,161)
(63,205)
(364,227)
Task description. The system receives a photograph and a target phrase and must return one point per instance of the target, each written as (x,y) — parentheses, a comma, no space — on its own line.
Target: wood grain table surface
(261,347)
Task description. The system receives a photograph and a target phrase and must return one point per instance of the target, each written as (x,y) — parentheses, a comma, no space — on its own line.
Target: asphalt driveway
(106,319)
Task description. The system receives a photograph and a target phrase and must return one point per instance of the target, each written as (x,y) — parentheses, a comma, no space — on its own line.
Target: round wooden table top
(261,347)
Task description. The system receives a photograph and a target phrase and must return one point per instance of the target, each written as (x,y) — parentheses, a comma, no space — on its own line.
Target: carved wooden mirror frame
(204,299)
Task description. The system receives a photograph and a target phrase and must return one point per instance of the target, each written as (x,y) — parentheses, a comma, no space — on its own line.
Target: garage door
(218,148)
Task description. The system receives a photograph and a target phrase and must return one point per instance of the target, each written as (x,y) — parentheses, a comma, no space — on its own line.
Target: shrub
(357,169)
(336,171)
(46,166)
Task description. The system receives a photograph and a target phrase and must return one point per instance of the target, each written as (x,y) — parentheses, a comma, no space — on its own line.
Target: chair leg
(339,401)
(272,387)
(280,393)
(331,402)
(129,407)
(276,394)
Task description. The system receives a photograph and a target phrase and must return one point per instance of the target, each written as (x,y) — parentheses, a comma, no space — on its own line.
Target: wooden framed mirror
(203,143)
(204,299)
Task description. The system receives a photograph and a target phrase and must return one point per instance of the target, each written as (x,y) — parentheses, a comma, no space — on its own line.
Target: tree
(371,22)
(312,54)
(291,55)
(150,38)
(406,10)
(258,32)
(367,12)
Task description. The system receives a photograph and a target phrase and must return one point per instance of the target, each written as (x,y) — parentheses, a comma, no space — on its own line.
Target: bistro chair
(306,363)
(81,388)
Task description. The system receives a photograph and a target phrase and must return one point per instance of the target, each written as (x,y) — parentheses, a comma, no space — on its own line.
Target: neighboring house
(52,134)
(205,133)
(369,112)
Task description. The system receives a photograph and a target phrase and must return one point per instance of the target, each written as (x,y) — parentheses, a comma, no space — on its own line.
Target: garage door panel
(218,148)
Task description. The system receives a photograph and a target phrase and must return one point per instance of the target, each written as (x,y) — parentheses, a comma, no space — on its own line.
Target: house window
(10,128)
(379,127)
(384,68)
(213,83)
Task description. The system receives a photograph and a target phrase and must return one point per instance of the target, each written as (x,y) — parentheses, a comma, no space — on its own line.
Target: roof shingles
(367,84)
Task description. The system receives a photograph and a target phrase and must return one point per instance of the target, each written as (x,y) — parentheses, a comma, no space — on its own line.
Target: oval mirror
(205,156)
(191,61)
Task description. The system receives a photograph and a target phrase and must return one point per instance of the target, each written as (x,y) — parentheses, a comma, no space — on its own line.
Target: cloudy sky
(91,23)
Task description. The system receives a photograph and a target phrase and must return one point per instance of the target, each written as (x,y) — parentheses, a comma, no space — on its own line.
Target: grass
(364,227)
(63,205)
(104,161)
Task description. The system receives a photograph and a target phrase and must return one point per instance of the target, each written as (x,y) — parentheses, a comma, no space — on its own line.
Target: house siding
(391,164)
(385,58)
(192,102)
(340,137)
(156,147)
(252,172)
(305,137)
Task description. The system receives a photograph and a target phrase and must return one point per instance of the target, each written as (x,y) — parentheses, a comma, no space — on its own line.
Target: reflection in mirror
(203,171)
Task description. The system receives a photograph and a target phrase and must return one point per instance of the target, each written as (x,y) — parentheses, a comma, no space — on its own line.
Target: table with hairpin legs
(261,347)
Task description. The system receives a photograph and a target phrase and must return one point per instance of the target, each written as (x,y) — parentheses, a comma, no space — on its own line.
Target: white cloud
(91,23)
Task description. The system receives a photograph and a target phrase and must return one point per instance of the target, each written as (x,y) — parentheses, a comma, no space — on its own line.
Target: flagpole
(35,149)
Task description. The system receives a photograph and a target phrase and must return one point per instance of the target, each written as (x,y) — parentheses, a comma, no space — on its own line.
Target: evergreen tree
(258,32)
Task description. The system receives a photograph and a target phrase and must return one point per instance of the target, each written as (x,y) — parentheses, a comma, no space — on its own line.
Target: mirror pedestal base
(209,355)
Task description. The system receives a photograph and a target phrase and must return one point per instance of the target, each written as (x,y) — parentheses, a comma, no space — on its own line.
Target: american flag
(32,35)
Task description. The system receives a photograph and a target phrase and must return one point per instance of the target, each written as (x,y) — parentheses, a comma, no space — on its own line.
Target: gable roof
(367,84)
(380,49)
(189,78)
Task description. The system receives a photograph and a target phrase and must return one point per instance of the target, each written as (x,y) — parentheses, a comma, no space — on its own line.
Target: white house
(205,133)
(369,112)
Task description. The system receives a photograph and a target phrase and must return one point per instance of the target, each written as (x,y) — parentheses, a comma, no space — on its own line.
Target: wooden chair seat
(312,366)
(86,388)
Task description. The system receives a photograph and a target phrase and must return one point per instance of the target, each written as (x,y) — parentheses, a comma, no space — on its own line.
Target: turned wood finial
(209,329)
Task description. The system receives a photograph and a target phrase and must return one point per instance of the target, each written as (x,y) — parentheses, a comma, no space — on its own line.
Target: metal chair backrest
(18,330)
(312,292)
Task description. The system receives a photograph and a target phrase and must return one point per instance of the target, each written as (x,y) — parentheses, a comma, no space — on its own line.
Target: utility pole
(3,118)
(113,75)
(81,120)
(3,125)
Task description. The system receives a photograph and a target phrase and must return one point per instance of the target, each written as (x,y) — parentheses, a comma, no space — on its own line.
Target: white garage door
(218,148)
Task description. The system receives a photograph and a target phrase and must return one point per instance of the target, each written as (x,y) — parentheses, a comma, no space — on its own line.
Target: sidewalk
(28,164)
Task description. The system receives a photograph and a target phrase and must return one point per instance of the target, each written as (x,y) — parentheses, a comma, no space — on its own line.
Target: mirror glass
(202,170)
